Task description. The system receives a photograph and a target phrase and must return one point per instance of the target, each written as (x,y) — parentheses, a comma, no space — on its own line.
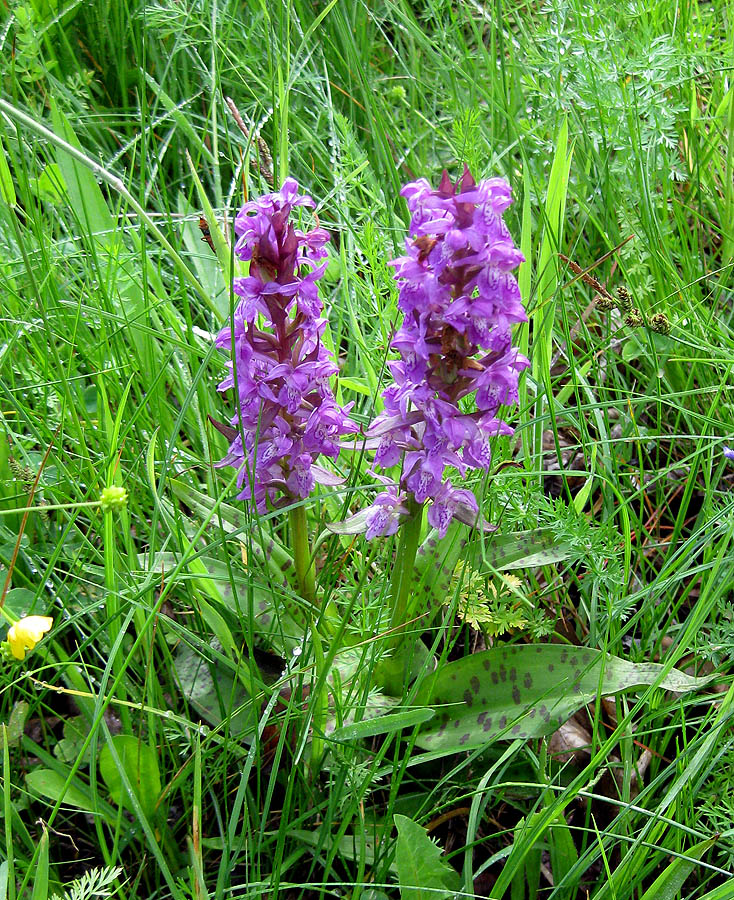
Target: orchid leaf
(260,603)
(212,690)
(437,559)
(139,762)
(264,547)
(528,690)
(356,524)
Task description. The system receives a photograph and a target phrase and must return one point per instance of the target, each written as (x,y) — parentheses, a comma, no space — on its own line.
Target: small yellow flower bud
(112,498)
(396,93)
(26,633)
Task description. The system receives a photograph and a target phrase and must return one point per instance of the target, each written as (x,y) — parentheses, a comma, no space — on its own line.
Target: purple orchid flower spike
(459,302)
(286,413)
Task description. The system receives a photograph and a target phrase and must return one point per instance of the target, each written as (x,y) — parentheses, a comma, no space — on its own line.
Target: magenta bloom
(459,301)
(286,412)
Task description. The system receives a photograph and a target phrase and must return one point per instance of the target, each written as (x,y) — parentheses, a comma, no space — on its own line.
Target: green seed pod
(634,318)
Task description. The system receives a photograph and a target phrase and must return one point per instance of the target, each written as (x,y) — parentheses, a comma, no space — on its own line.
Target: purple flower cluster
(286,412)
(459,301)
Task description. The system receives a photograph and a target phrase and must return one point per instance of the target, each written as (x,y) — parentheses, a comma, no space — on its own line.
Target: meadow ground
(205,720)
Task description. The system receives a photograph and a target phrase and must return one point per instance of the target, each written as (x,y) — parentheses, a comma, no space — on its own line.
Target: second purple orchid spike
(457,365)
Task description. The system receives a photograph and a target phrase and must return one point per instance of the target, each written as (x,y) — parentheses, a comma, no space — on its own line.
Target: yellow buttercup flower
(26,633)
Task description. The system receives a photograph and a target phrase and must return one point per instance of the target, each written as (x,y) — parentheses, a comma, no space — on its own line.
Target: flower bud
(113,498)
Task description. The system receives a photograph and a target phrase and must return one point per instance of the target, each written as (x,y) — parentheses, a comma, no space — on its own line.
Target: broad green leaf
(383,724)
(543,315)
(140,763)
(564,856)
(437,559)
(358,385)
(354,847)
(218,626)
(221,248)
(670,881)
(85,196)
(50,184)
(205,263)
(211,690)
(262,604)
(554,218)
(265,548)
(16,724)
(70,746)
(525,550)
(52,785)
(4,880)
(434,567)
(422,873)
(19,602)
(527,690)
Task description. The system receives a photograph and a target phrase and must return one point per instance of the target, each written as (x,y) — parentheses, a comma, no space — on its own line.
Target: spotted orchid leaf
(437,559)
(265,548)
(528,690)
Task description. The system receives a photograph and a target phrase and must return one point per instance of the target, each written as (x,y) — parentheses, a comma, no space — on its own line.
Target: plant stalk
(404,564)
(305,568)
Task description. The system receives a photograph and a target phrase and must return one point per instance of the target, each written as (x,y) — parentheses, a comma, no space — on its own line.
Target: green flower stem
(320,703)
(391,671)
(305,568)
(49,507)
(112,601)
(403,573)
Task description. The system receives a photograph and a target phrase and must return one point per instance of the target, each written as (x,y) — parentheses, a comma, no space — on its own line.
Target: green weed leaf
(52,785)
(40,876)
(140,764)
(422,873)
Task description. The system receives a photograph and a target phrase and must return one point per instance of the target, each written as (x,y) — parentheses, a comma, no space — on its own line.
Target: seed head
(624,299)
(660,323)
